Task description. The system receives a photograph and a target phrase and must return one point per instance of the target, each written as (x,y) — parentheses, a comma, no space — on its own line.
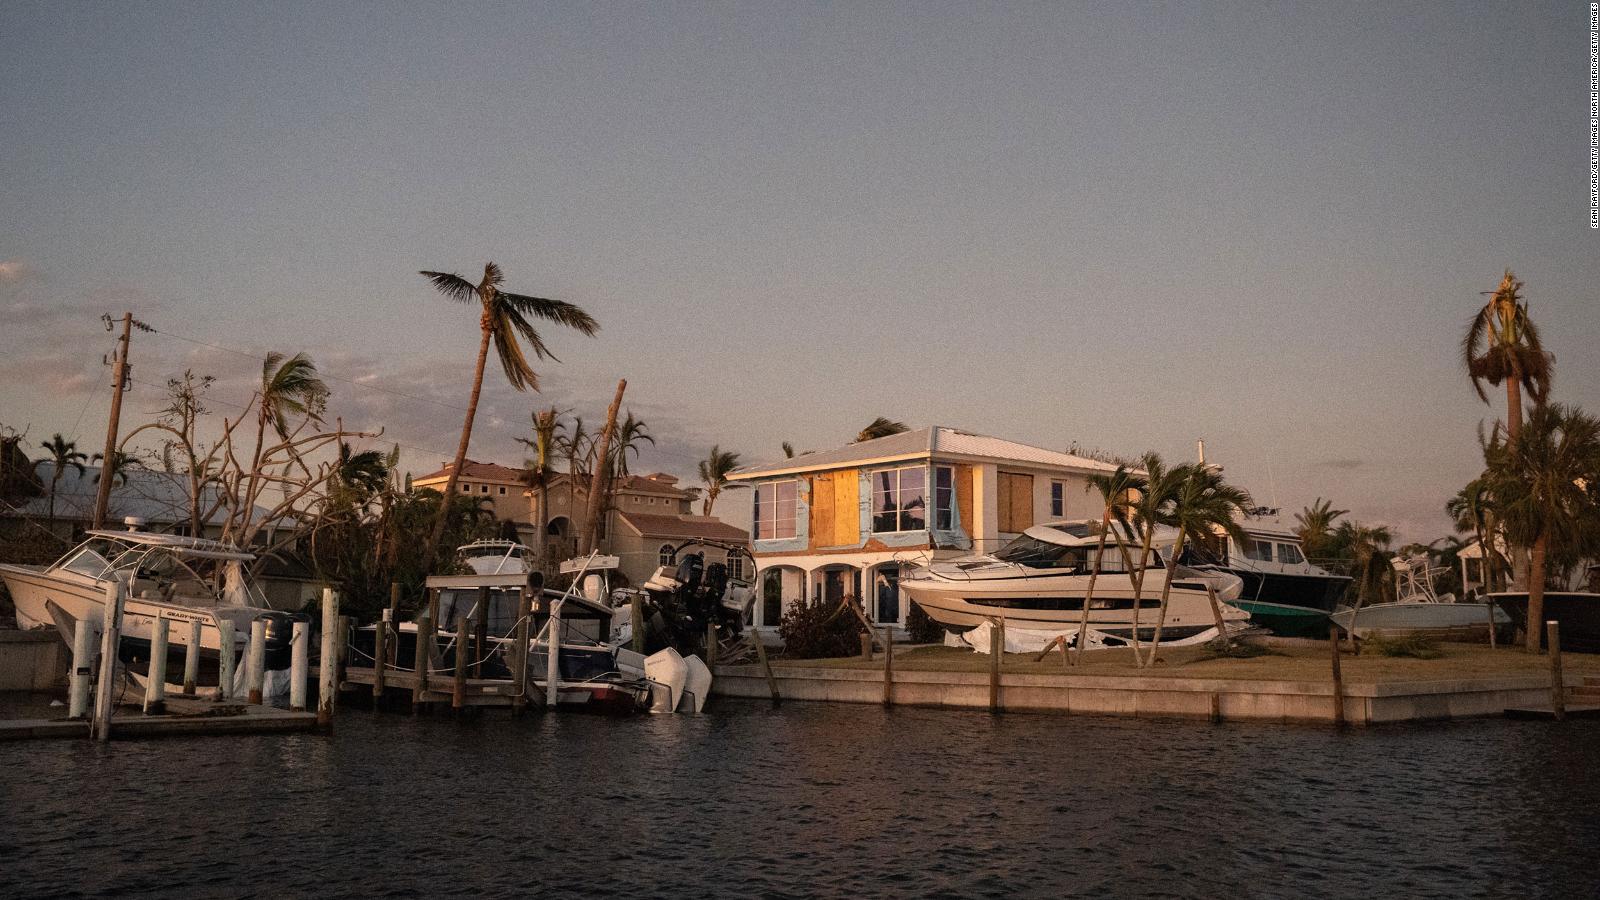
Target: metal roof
(160,498)
(933,441)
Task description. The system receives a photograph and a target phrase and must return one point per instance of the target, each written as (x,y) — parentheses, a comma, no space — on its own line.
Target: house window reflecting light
(900,500)
(776,509)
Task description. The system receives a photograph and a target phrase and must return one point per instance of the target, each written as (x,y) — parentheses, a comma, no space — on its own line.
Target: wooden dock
(183,716)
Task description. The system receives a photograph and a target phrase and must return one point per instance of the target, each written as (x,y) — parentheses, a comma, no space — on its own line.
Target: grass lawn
(1300,663)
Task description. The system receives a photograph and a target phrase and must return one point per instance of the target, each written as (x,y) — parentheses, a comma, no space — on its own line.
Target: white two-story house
(847,521)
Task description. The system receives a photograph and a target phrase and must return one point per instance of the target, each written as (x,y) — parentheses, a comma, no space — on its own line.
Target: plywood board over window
(964,496)
(1015,497)
(846,508)
(822,511)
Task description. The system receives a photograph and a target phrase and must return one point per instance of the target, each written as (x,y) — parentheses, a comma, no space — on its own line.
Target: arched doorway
(779,586)
(561,539)
(883,600)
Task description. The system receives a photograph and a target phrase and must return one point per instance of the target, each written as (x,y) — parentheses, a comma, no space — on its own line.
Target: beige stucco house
(648,518)
(847,521)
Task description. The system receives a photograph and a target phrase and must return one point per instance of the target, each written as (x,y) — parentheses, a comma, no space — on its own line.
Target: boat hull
(1578,612)
(33,592)
(1287,604)
(959,608)
(1455,621)
(1286,620)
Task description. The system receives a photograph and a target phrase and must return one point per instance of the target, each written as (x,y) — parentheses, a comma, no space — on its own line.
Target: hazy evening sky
(1126,225)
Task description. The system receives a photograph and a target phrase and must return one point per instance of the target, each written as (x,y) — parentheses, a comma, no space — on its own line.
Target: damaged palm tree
(503,321)
(1119,490)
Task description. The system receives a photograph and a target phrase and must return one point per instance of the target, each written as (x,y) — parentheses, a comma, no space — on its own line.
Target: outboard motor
(280,638)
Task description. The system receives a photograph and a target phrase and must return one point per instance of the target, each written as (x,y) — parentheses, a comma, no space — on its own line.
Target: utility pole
(119,381)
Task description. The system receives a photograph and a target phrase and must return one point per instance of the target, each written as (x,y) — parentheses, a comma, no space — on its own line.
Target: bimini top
(182,545)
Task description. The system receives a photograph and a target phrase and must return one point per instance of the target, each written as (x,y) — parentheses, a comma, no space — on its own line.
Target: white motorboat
(1038,583)
(1419,610)
(173,577)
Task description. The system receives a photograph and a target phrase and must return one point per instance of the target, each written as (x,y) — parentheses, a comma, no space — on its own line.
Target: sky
(1125,226)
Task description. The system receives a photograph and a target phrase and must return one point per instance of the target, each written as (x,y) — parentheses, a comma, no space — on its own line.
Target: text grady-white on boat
(1038,582)
(173,577)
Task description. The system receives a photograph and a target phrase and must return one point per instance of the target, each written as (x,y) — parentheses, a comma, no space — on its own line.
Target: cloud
(17,270)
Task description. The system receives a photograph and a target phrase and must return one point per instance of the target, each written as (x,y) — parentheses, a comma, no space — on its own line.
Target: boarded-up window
(1015,496)
(822,511)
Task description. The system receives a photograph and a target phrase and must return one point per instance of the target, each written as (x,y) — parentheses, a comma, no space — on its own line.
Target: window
(1037,554)
(776,511)
(735,565)
(466,488)
(667,557)
(1260,551)
(1058,499)
(900,500)
(1289,553)
(944,498)
(485,489)
(502,490)
(652,501)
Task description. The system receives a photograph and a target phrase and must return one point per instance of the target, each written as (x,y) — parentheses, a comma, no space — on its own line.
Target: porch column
(985,508)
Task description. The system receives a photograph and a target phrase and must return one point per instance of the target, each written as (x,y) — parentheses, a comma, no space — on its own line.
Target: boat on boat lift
(173,577)
(1038,582)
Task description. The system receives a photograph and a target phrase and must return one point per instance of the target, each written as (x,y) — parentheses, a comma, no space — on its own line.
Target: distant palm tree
(714,471)
(880,427)
(503,320)
(1118,491)
(1472,511)
(1201,504)
(63,454)
(290,387)
(788,450)
(575,444)
(120,464)
(1547,484)
(1502,346)
(360,475)
(541,466)
(1316,526)
(631,435)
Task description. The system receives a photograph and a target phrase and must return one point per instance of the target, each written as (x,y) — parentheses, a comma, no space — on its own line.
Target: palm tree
(503,321)
(118,469)
(1502,346)
(541,466)
(1472,510)
(1149,509)
(1547,484)
(1118,490)
(880,427)
(631,434)
(1201,503)
(1316,526)
(1366,545)
(290,387)
(714,471)
(63,454)
(360,475)
(788,450)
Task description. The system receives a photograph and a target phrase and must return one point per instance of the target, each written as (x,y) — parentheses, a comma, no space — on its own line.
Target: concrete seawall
(1194,698)
(32,660)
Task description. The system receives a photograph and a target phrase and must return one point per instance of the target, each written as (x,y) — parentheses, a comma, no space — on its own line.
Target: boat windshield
(1036,554)
(86,561)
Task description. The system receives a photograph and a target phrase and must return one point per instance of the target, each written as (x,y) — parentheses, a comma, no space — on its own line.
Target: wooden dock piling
(1558,685)
(711,646)
(299,665)
(423,659)
(328,665)
(519,659)
(866,645)
(888,668)
(997,646)
(1338,676)
(83,635)
(110,638)
(766,668)
(636,621)
(225,659)
(191,659)
(380,654)
(458,691)
(255,661)
(155,695)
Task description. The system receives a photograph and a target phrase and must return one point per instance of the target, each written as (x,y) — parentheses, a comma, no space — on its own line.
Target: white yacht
(180,579)
(1039,580)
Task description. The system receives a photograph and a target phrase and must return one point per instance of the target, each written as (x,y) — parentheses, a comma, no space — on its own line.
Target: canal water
(810,800)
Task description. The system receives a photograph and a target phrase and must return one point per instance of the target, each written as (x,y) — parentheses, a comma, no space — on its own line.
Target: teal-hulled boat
(1283,591)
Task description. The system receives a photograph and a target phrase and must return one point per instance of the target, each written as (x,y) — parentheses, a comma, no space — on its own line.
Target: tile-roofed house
(845,521)
(644,541)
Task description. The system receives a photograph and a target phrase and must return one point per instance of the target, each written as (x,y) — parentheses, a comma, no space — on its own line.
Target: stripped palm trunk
(1088,595)
(430,553)
(1166,592)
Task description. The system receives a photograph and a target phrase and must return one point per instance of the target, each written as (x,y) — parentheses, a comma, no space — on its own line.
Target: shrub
(1226,648)
(921,628)
(1410,646)
(818,629)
